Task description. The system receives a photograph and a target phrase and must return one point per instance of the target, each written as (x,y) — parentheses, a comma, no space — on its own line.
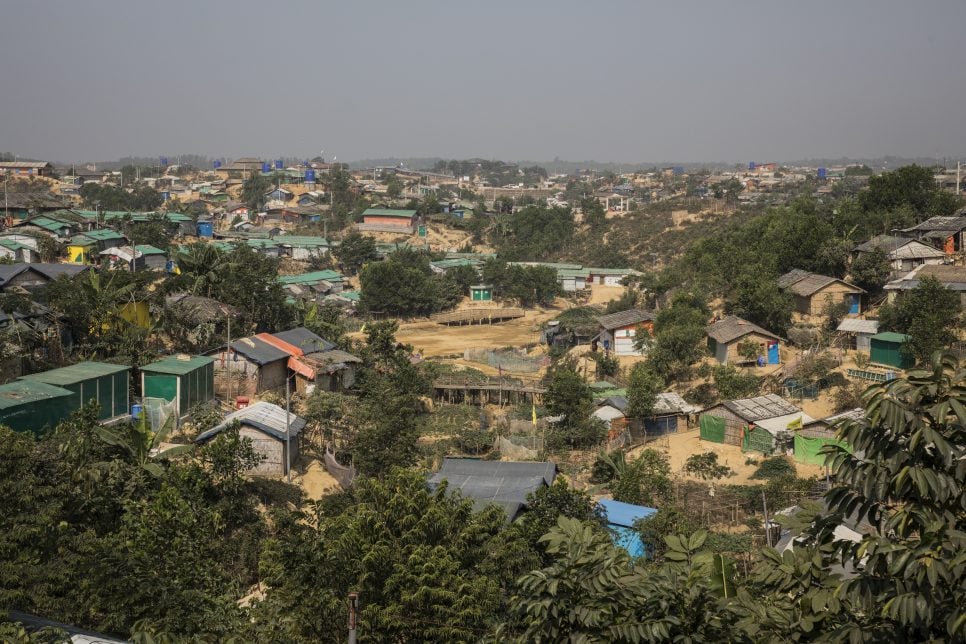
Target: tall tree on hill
(253,191)
(930,313)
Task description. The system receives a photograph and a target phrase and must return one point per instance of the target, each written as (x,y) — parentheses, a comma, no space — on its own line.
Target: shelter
(106,384)
(952,277)
(945,233)
(859,332)
(904,254)
(761,424)
(273,432)
(887,349)
(612,411)
(815,435)
(619,330)
(32,276)
(671,414)
(27,406)
(186,380)
(621,518)
(729,336)
(388,220)
(609,276)
(254,366)
(811,292)
(84,246)
(504,483)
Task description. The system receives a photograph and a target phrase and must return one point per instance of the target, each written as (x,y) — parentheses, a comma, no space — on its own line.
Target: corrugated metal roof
(670,402)
(305,340)
(21,392)
(258,351)
(761,407)
(625,318)
(854,325)
(810,283)
(310,278)
(503,482)
(939,225)
(890,336)
(178,365)
(388,212)
(77,373)
(263,416)
(147,249)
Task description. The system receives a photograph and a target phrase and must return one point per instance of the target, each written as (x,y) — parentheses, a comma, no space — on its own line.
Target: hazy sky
(609,81)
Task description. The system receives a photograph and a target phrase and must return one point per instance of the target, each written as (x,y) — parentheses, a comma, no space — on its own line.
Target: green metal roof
(553,265)
(76,373)
(889,336)
(388,212)
(12,244)
(262,243)
(612,271)
(302,241)
(178,366)
(103,234)
(49,224)
(147,249)
(20,392)
(350,295)
(310,278)
(456,261)
(573,272)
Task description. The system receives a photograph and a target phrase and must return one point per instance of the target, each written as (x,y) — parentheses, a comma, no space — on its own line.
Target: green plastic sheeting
(758,440)
(712,428)
(807,449)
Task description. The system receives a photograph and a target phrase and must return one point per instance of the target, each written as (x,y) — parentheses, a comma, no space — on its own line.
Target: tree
(570,397)
(254,191)
(706,467)
(404,285)
(425,565)
(871,271)
(593,211)
(758,299)
(929,313)
(394,186)
(679,333)
(355,251)
(911,186)
(549,503)
(642,391)
(903,475)
(644,481)
(327,321)
(732,383)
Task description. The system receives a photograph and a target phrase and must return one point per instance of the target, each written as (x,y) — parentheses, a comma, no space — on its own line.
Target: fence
(511,361)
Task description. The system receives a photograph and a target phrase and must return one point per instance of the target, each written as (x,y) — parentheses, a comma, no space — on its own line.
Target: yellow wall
(78,254)
(136,313)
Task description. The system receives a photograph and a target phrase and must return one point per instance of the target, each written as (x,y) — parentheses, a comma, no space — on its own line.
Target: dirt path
(315,481)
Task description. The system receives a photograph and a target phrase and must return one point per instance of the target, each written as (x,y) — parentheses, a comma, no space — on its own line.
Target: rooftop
(263,416)
(178,365)
(854,325)
(899,247)
(77,373)
(21,392)
(805,284)
(625,514)
(505,483)
(311,278)
(624,318)
(732,327)
(389,212)
(761,407)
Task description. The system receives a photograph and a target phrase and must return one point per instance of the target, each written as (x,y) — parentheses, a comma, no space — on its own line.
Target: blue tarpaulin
(620,522)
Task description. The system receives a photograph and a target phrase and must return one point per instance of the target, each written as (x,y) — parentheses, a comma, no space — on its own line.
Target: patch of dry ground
(679,447)
(314,480)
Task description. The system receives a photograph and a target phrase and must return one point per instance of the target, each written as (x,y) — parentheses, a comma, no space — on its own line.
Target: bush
(776,467)
(705,466)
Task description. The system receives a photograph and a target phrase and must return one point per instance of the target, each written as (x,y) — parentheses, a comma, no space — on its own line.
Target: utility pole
(353,607)
(288,428)
(958,168)
(228,354)
(764,506)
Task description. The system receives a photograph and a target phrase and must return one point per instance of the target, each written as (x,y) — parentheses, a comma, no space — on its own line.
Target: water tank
(751,165)
(266,167)
(136,411)
(310,176)
(164,160)
(205,229)
(678,169)
(278,164)
(165,195)
(821,173)
(216,164)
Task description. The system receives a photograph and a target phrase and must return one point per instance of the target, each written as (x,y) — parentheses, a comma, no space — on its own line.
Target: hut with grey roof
(273,432)
(729,339)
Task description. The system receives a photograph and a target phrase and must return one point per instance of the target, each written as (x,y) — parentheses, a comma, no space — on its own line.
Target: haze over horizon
(621,82)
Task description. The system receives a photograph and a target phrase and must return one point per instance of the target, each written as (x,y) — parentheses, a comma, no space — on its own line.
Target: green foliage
(254,190)
(644,481)
(592,592)
(870,271)
(426,567)
(107,197)
(327,321)
(535,233)
(642,390)
(706,467)
(394,186)
(628,300)
(404,285)
(607,365)
(593,211)
(757,298)
(733,383)
(528,285)
(929,313)
(549,503)
(911,186)
(775,467)
(355,251)
(569,396)
(679,333)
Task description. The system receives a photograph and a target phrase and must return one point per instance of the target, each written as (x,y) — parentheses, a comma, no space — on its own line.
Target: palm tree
(143,445)
(205,265)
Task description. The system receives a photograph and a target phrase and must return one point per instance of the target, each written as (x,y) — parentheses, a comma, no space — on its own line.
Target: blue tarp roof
(625,514)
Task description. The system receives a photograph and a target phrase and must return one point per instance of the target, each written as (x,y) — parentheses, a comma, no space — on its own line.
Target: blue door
(854,303)
(773,353)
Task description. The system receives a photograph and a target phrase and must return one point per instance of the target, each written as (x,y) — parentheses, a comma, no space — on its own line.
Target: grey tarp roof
(899,247)
(305,340)
(263,416)
(940,225)
(855,325)
(258,351)
(505,483)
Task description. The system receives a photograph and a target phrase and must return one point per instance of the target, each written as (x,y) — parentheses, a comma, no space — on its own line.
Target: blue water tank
(278,164)
(678,169)
(205,229)
(169,266)
(751,165)
(216,164)
(821,173)
(310,176)
(266,167)
(136,410)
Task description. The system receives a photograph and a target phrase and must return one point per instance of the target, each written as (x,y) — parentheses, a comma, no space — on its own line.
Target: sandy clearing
(680,446)
(314,480)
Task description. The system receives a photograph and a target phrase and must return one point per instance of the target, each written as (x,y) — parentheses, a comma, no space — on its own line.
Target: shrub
(775,467)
